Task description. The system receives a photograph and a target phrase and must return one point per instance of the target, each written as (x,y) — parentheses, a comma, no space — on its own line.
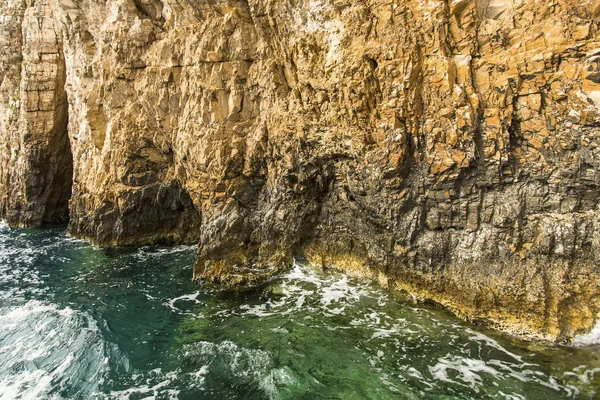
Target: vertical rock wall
(35,181)
(448,148)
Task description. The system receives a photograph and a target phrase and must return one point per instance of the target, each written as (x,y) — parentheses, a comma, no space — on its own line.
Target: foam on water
(489,342)
(190,298)
(592,338)
(49,352)
(79,322)
(4,226)
(251,367)
(396,335)
(152,385)
(148,252)
(303,288)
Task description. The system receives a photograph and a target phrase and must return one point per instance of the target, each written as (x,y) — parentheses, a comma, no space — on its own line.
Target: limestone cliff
(448,148)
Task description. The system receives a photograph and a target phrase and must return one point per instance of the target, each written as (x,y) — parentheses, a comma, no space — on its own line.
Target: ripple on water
(79,322)
(411,349)
(251,369)
(49,352)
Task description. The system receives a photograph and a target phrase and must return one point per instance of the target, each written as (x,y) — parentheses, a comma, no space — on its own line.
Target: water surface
(78,322)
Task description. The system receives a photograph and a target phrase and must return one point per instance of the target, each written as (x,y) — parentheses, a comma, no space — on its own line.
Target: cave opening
(59,157)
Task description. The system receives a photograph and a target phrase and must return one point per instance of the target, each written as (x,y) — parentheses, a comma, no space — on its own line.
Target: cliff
(447,148)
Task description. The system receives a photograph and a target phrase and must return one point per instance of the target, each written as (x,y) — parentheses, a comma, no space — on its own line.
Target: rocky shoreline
(446,148)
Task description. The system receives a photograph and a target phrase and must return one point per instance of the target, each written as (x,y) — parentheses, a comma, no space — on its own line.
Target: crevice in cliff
(59,161)
(151,10)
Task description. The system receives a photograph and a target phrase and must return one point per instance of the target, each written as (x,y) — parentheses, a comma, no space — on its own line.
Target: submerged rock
(446,148)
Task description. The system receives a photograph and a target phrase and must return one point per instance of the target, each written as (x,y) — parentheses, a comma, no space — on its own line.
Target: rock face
(448,148)
(35,158)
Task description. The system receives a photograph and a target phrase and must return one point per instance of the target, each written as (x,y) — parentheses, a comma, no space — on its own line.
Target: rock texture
(36,164)
(448,148)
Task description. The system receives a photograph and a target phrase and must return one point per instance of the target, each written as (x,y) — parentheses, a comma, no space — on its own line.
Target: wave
(49,352)
(252,369)
(232,370)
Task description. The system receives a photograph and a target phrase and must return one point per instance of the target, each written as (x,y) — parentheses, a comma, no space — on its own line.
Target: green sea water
(78,322)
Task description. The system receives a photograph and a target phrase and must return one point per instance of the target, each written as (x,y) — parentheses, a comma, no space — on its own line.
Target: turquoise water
(78,322)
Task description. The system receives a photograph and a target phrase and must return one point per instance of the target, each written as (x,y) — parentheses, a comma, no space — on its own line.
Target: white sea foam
(480,337)
(146,252)
(511,396)
(251,366)
(583,373)
(468,371)
(591,338)
(472,373)
(193,297)
(384,333)
(151,386)
(43,351)
(302,289)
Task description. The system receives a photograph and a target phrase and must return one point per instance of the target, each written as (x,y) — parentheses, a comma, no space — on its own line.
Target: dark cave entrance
(58,162)
(60,176)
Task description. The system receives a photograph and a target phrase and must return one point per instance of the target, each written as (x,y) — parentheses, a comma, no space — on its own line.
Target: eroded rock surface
(448,148)
(35,157)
